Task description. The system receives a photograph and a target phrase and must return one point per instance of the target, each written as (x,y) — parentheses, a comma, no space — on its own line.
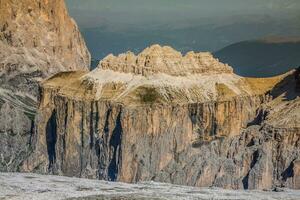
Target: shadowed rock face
(297,77)
(201,130)
(51,138)
(37,40)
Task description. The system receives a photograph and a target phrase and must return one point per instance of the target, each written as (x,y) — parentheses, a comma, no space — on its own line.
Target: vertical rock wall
(195,144)
(235,143)
(37,40)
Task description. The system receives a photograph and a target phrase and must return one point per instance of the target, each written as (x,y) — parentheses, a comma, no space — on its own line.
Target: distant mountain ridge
(278,39)
(263,57)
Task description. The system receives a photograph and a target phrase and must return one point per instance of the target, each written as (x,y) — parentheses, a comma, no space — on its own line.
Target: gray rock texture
(28,186)
(37,40)
(238,133)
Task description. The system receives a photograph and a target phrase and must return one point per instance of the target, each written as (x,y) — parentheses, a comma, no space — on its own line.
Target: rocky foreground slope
(163,116)
(37,40)
(40,187)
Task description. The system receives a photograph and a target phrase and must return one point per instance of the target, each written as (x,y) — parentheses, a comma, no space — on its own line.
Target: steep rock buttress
(164,116)
(37,40)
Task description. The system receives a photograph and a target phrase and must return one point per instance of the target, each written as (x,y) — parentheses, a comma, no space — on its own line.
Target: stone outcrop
(141,118)
(37,40)
(157,59)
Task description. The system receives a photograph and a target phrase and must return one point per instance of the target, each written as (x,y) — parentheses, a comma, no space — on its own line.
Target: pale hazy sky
(115,26)
(91,13)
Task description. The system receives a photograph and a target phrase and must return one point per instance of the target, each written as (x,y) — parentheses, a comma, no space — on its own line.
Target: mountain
(262,58)
(167,117)
(201,25)
(104,39)
(37,40)
(159,115)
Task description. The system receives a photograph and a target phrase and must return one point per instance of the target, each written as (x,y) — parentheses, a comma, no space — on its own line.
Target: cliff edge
(163,116)
(37,40)
(159,75)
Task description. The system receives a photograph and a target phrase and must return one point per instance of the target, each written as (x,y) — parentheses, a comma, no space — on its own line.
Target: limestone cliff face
(133,121)
(157,59)
(37,40)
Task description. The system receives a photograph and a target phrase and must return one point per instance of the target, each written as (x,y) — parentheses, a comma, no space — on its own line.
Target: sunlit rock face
(157,59)
(163,116)
(37,40)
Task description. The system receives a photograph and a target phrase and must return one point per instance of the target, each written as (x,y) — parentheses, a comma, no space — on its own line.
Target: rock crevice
(37,39)
(224,136)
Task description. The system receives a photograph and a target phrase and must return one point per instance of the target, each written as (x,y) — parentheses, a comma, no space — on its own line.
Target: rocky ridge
(147,118)
(37,40)
(157,59)
(162,75)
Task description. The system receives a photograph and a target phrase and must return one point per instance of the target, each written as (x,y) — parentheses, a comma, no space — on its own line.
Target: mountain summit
(37,40)
(168,117)
(158,75)
(157,59)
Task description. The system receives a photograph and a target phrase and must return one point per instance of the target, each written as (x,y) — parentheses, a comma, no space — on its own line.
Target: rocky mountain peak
(159,75)
(164,59)
(168,128)
(38,39)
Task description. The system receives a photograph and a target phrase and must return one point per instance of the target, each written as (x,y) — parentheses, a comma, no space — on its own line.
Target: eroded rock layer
(212,128)
(37,40)
(157,59)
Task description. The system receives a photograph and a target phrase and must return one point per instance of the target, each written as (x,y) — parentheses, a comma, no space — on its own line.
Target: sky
(201,25)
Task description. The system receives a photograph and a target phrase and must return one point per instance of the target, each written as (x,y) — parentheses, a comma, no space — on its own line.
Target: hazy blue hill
(262,58)
(105,39)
